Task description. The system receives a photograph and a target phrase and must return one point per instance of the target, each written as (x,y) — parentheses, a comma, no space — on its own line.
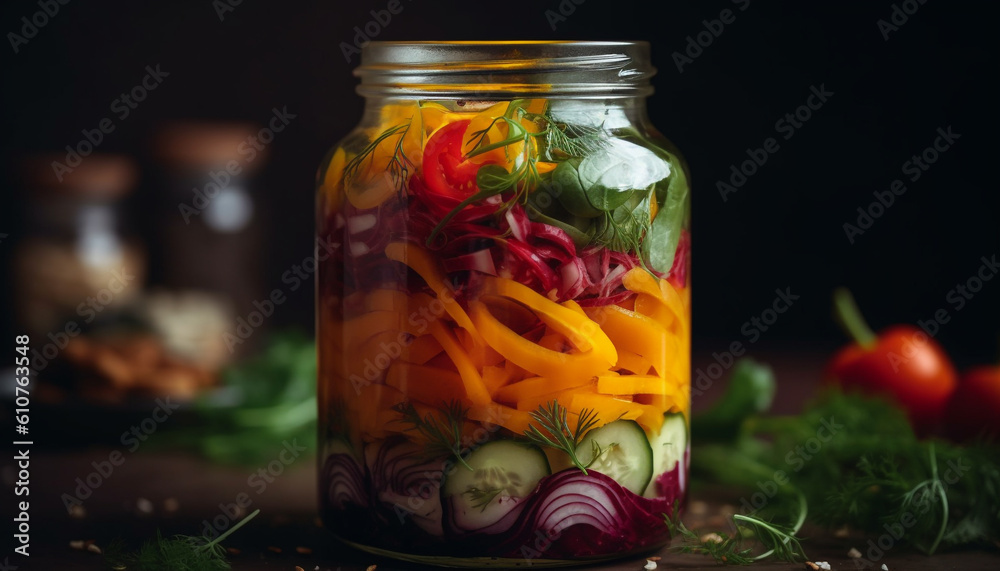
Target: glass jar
(79,261)
(503,307)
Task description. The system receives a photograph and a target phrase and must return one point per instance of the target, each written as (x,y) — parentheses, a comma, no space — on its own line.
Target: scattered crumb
(232,551)
(854,554)
(274,549)
(371,568)
(76,544)
(811,565)
(823,565)
(713,537)
(650,565)
(297,568)
(93,548)
(144,506)
(77,512)
(171,505)
(303,550)
(885,567)
(842,532)
(698,508)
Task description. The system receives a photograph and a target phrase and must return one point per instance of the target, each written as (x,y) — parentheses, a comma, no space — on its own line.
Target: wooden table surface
(288,521)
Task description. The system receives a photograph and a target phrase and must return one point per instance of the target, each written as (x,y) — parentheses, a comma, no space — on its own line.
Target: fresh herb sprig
(557,434)
(443,436)
(399,165)
(781,542)
(193,553)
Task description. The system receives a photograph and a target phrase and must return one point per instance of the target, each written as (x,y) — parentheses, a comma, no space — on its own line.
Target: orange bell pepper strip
(575,326)
(474,387)
(425,265)
(429,385)
(531,356)
(637,333)
(636,385)
(633,362)
(516,421)
(533,387)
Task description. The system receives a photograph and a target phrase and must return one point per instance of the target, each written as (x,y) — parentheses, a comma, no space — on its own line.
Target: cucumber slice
(668,448)
(504,473)
(623,454)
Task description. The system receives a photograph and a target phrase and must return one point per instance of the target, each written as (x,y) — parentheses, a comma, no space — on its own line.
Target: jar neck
(479,71)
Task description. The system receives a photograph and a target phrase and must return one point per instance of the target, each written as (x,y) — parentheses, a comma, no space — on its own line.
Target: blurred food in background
(79,258)
(209,228)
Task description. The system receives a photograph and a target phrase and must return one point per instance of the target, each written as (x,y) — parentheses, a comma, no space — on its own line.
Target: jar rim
(500,69)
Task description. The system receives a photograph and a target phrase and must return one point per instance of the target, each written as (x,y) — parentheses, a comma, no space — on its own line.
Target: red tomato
(905,365)
(446,172)
(973,408)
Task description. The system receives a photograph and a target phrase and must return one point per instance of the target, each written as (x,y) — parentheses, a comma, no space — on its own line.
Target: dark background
(783,228)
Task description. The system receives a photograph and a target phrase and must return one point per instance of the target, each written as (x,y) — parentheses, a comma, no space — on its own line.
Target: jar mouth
(500,69)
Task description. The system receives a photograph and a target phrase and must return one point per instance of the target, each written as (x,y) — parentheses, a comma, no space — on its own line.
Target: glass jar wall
(503,309)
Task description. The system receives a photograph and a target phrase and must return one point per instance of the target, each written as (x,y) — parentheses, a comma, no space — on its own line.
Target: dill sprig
(780,542)
(178,552)
(443,436)
(557,434)
(399,164)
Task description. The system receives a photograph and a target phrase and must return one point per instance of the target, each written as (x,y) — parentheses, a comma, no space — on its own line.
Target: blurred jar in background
(78,260)
(209,232)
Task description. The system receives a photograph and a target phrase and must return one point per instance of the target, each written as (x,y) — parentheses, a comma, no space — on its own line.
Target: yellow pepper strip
(633,362)
(428,385)
(481,356)
(474,387)
(421,349)
(536,386)
(532,357)
(425,265)
(654,308)
(544,167)
(578,329)
(333,180)
(514,420)
(434,116)
(357,330)
(554,342)
(639,280)
(387,300)
(609,408)
(533,402)
(495,377)
(636,385)
(637,333)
